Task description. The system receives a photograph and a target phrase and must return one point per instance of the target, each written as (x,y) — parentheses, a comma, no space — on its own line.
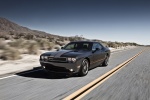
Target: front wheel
(105,63)
(84,68)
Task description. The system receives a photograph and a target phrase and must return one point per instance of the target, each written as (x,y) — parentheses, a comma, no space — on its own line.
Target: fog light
(78,67)
(71,70)
(44,67)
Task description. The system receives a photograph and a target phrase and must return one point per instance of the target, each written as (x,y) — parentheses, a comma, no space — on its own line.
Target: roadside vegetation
(13,45)
(16,40)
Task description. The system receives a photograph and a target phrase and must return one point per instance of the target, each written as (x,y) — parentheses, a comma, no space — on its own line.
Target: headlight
(45,57)
(42,57)
(71,59)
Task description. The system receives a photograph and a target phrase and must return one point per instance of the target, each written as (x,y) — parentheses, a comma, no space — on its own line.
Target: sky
(108,20)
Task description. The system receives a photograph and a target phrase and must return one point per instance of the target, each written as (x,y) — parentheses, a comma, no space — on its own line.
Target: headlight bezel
(44,57)
(74,59)
(71,59)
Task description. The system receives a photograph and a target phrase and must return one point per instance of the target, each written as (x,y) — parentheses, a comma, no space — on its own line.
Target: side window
(96,45)
(99,46)
(85,46)
(70,46)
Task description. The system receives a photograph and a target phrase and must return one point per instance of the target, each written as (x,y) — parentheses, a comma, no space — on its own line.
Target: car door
(102,52)
(98,55)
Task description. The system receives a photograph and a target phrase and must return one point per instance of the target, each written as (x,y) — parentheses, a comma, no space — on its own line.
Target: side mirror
(62,47)
(97,49)
(57,49)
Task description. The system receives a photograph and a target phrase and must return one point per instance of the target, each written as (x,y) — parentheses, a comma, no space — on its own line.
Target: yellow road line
(89,87)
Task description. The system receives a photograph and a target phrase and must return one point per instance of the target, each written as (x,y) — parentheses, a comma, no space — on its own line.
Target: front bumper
(60,67)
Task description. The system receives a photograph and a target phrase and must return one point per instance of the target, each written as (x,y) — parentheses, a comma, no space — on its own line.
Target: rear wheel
(105,63)
(84,68)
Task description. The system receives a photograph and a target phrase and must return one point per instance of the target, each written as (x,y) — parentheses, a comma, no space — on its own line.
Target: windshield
(78,46)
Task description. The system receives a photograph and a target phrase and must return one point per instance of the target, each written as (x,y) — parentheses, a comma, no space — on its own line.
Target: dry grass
(61,43)
(45,44)
(10,54)
(12,50)
(19,43)
(50,45)
(57,47)
(2,45)
(33,48)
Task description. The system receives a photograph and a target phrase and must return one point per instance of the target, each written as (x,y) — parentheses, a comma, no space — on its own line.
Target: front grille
(60,59)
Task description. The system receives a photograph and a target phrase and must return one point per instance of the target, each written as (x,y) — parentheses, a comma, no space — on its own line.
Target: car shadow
(38,72)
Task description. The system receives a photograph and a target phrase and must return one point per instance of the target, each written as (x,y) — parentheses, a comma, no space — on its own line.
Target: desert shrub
(2,45)
(66,39)
(6,37)
(50,45)
(72,39)
(61,39)
(112,44)
(131,44)
(33,48)
(51,39)
(10,54)
(60,43)
(119,44)
(104,44)
(76,38)
(45,44)
(30,36)
(57,47)
(17,43)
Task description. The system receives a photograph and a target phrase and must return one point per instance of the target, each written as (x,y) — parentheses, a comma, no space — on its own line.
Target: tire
(105,63)
(84,68)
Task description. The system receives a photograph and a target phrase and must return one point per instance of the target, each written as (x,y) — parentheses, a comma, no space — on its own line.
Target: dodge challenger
(76,57)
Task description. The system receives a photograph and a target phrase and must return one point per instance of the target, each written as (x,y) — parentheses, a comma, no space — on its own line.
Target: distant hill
(8,28)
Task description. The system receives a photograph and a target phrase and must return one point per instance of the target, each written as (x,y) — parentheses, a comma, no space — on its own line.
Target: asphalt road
(131,83)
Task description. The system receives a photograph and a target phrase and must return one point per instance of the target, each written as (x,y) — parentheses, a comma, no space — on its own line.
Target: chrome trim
(45,62)
(52,59)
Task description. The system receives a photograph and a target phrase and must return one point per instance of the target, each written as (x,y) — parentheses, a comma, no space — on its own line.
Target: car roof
(85,41)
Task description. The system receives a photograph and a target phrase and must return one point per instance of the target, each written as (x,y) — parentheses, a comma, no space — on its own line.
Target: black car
(76,57)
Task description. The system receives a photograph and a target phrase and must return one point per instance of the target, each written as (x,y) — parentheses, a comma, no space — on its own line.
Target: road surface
(130,83)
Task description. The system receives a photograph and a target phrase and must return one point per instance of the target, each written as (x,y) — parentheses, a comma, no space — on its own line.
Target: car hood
(65,53)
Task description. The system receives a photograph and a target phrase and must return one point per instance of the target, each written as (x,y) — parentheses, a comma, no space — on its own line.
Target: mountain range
(10,28)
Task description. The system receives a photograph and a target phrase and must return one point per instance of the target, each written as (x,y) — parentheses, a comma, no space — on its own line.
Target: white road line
(8,77)
(20,74)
